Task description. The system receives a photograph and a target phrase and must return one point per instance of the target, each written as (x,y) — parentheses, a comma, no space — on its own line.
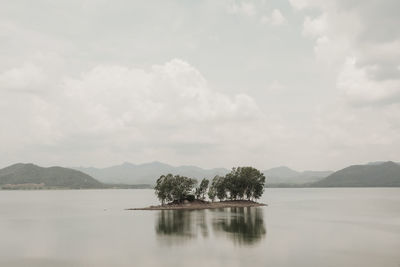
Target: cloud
(245,8)
(84,90)
(275,18)
(330,30)
(356,131)
(359,45)
(346,39)
(129,111)
(173,93)
(315,27)
(359,89)
(249,9)
(26,77)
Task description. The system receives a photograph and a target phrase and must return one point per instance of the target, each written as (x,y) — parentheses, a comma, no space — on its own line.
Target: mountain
(30,176)
(385,174)
(284,175)
(379,162)
(282,171)
(147,173)
(128,175)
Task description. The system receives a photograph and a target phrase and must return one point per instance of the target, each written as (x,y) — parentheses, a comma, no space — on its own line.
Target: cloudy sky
(305,83)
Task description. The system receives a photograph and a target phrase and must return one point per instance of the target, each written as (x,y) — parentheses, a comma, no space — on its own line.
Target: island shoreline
(201,205)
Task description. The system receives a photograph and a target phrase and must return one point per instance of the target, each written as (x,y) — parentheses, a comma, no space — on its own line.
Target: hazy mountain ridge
(147,173)
(128,175)
(285,175)
(52,177)
(379,162)
(386,174)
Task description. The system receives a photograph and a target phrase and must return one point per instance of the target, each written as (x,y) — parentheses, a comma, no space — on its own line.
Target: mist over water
(299,227)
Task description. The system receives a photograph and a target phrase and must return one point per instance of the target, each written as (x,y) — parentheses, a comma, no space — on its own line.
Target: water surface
(299,227)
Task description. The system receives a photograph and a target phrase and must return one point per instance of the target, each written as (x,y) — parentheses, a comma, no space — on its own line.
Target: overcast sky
(305,83)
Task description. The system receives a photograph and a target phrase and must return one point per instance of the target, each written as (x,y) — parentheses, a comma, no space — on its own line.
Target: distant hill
(282,171)
(386,174)
(286,176)
(128,175)
(147,173)
(30,176)
(379,162)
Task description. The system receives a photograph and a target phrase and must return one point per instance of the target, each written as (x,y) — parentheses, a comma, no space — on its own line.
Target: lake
(299,227)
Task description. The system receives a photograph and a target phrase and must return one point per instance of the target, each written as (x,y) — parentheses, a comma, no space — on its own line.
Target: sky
(303,83)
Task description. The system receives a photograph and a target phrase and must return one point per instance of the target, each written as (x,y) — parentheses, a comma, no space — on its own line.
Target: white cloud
(82,102)
(26,77)
(330,30)
(344,38)
(275,18)
(309,4)
(299,4)
(359,89)
(245,8)
(355,132)
(166,109)
(315,27)
(174,92)
(356,43)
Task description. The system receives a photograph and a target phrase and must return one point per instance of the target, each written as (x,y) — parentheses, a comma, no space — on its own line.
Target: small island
(239,188)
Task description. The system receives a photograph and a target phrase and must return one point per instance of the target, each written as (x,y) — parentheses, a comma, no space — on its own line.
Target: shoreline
(200,205)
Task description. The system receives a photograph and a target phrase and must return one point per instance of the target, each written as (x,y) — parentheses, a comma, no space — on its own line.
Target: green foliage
(163,188)
(240,183)
(212,191)
(202,189)
(173,188)
(190,198)
(218,188)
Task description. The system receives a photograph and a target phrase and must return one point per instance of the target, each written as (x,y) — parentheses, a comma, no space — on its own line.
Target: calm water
(300,227)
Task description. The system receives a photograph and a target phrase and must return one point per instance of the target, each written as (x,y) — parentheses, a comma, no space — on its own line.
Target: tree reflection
(181,224)
(245,226)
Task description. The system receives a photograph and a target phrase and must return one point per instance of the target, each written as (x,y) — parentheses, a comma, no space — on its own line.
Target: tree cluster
(174,188)
(240,183)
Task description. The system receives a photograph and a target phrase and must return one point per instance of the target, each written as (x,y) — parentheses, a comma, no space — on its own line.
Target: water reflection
(181,225)
(244,226)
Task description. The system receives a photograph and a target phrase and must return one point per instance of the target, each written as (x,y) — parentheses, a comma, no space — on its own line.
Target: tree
(244,182)
(163,188)
(212,191)
(182,187)
(202,189)
(173,188)
(218,188)
(255,182)
(240,183)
